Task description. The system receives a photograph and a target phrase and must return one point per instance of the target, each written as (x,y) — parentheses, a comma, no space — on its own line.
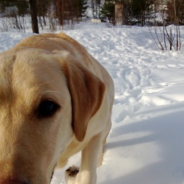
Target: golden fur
(57,68)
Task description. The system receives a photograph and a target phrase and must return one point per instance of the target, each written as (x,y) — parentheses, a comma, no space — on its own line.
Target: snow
(145,144)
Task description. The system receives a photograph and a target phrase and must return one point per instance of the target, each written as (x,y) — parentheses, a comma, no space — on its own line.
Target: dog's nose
(13,182)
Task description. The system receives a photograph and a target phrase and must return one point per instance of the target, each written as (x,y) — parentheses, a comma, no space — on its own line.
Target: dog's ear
(87,93)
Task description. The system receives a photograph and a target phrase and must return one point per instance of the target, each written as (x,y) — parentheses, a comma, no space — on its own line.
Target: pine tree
(140,9)
(108,11)
(83,8)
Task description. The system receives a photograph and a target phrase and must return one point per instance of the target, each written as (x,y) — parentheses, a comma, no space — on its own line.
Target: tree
(96,7)
(33,11)
(43,10)
(108,11)
(122,12)
(83,7)
(69,11)
(175,12)
(112,9)
(59,10)
(140,9)
(16,10)
(20,6)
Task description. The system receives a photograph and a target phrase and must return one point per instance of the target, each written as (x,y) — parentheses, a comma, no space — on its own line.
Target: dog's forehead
(29,74)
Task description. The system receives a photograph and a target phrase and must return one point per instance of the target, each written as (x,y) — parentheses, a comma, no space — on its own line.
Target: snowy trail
(139,70)
(145,145)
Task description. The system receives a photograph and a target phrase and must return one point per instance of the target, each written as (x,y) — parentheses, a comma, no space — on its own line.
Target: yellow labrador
(55,100)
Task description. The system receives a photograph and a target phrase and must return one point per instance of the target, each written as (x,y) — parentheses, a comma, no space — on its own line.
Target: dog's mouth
(52,172)
(52,175)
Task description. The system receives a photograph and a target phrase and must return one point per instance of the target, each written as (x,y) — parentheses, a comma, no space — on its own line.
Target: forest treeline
(43,12)
(52,13)
(141,12)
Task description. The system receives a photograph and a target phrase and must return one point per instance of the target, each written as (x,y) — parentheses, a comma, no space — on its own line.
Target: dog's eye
(47,108)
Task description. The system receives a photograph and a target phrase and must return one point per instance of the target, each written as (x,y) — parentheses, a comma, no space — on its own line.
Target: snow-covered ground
(146,142)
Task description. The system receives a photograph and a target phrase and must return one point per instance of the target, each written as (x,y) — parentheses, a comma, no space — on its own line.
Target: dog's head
(46,99)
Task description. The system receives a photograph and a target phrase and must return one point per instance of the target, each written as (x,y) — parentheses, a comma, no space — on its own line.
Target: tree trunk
(34,19)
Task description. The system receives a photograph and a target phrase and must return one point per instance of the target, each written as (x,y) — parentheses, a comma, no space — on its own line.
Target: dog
(56,100)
